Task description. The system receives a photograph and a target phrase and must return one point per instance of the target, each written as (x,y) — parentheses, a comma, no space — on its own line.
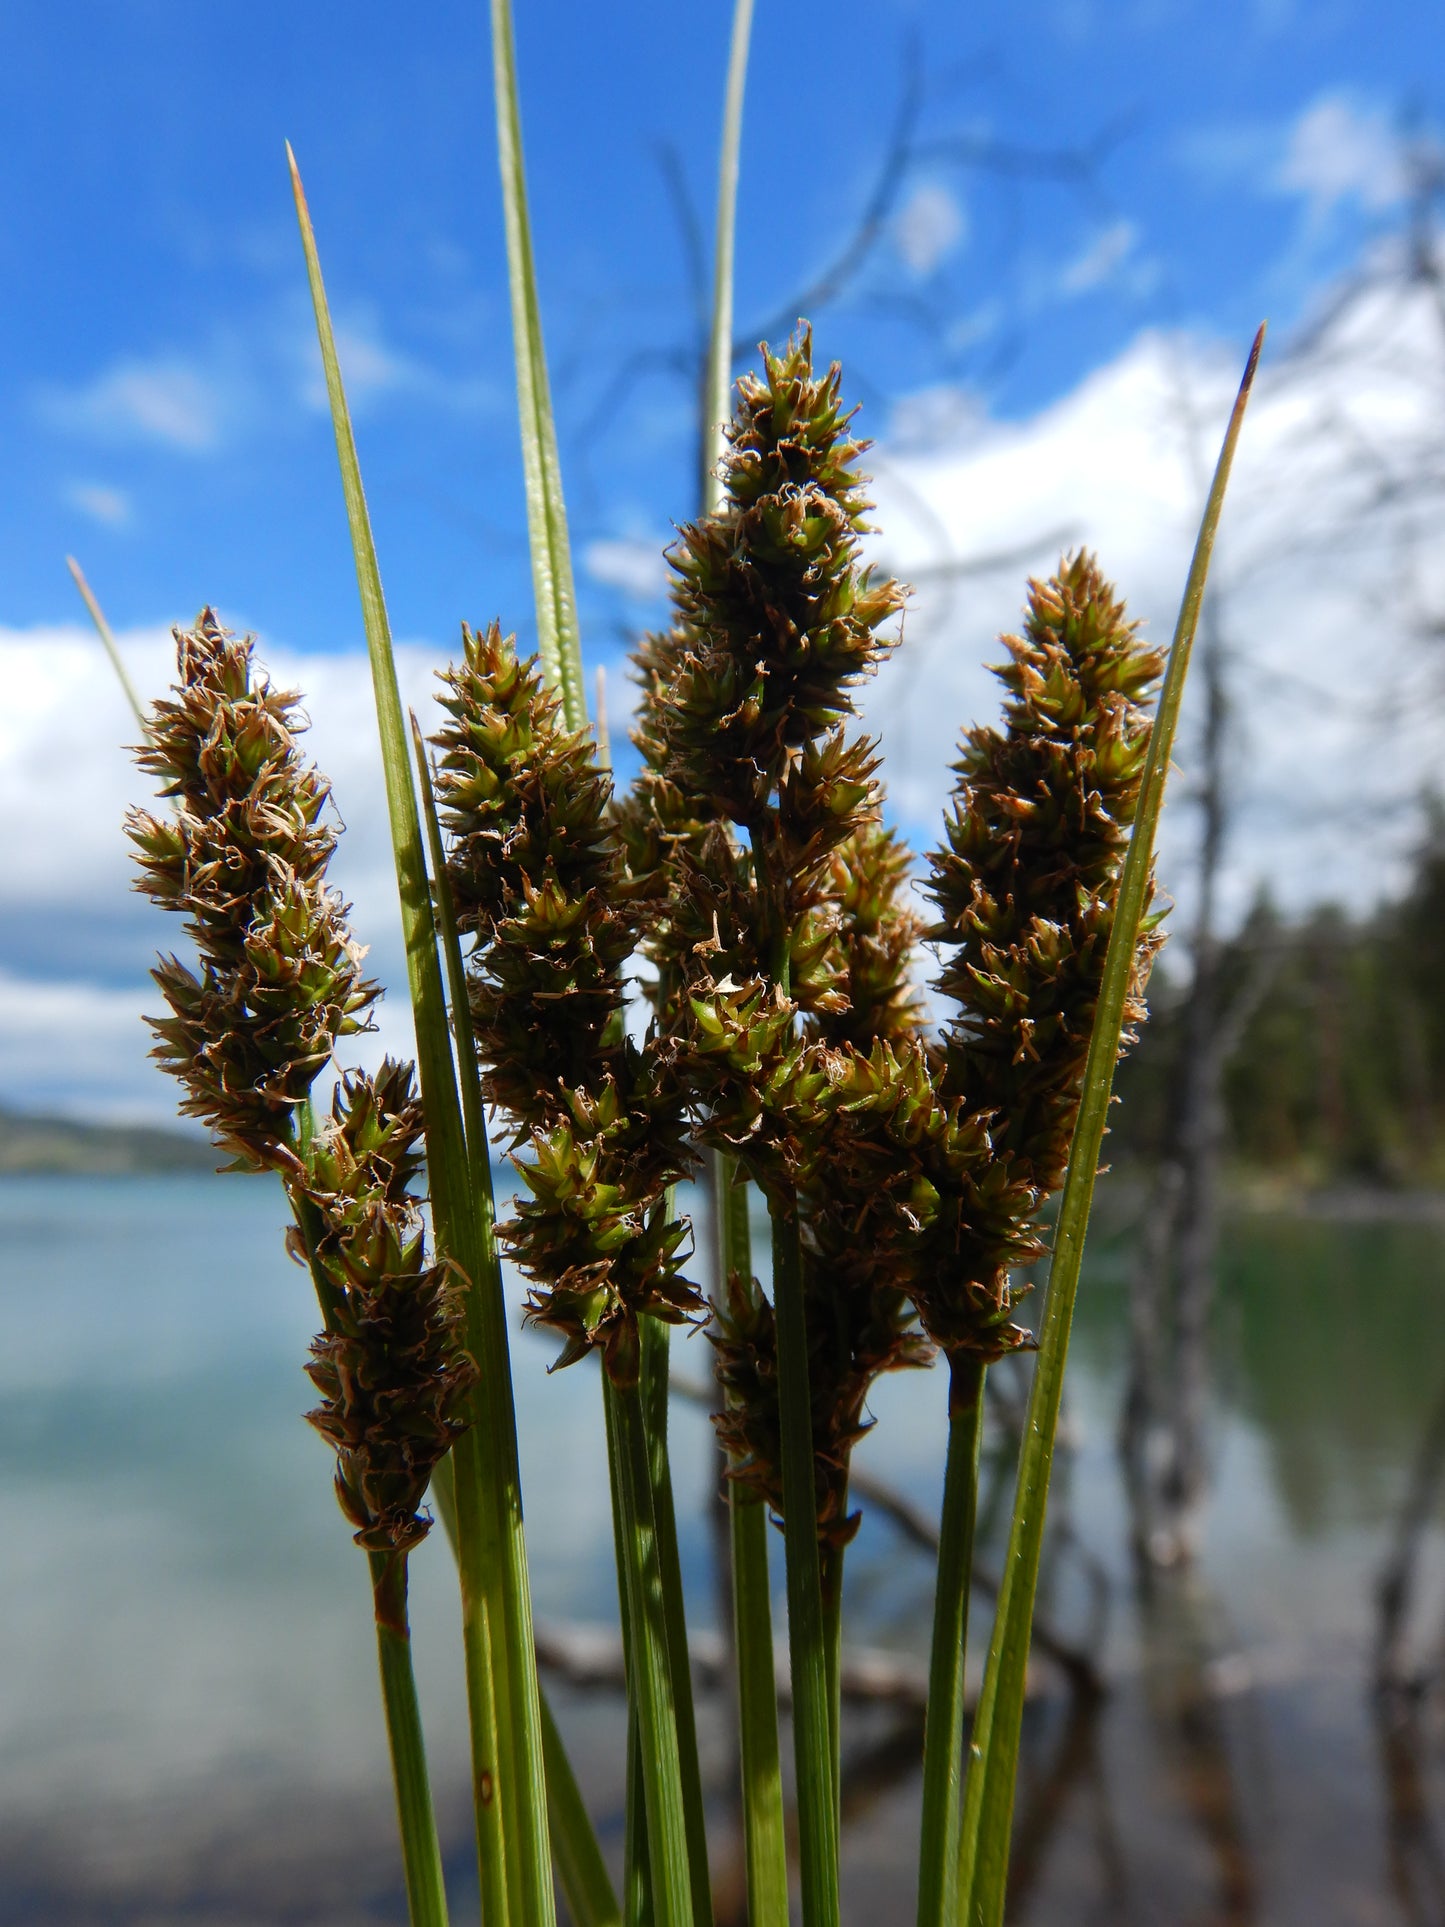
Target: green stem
(720,336)
(830,1576)
(762,1774)
(510,1783)
(108,642)
(542,474)
(994,1750)
(807,1641)
(944,1721)
(580,1866)
(426,1897)
(764,1831)
(655,1347)
(636,1874)
(650,1675)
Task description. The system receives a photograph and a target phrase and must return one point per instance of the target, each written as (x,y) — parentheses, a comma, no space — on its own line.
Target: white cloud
(1336,737)
(1337,732)
(168,400)
(1342,149)
(69,1034)
(111,507)
(636,566)
(929,227)
(1101,258)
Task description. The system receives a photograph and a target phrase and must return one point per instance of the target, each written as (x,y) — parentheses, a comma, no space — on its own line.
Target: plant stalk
(650,1667)
(654,1384)
(764,1829)
(989,1792)
(807,1638)
(426,1897)
(944,1720)
(509,1778)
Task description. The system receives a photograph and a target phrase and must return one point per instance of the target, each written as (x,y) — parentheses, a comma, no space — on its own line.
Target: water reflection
(188,1634)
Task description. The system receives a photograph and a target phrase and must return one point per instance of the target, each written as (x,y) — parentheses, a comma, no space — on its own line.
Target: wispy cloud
(1102,258)
(633,565)
(1341,148)
(202,399)
(930,226)
(169,400)
(111,507)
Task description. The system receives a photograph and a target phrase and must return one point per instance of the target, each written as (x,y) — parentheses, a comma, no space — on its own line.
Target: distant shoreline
(36,1145)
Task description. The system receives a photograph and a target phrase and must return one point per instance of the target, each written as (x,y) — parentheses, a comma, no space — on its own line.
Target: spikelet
(780,938)
(536,871)
(750,784)
(865,1196)
(1025,887)
(389,1367)
(243,856)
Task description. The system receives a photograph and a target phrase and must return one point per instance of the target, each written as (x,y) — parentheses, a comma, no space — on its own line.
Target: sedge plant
(748,876)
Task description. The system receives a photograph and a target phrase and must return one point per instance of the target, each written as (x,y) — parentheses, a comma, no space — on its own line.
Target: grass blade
(988,1809)
(760,1755)
(426,1898)
(580,1866)
(807,1636)
(509,1780)
(944,1719)
(103,630)
(557,632)
(655,1348)
(649,1680)
(764,1831)
(720,341)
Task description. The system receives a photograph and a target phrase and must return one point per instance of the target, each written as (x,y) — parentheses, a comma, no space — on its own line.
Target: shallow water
(188,1726)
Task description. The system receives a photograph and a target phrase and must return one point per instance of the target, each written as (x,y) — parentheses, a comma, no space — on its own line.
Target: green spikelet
(536,870)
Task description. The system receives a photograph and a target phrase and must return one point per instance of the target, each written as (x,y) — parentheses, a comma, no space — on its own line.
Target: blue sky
(158,401)
(1094,207)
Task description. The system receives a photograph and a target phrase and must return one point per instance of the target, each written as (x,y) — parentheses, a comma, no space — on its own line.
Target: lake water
(189,1731)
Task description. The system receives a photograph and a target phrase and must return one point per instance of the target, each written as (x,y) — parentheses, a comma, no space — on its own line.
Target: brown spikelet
(242,855)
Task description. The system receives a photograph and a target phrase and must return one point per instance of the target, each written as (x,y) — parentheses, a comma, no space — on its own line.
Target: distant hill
(30,1143)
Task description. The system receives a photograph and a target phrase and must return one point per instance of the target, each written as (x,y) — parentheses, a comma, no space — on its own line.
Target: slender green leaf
(944,1720)
(764,1831)
(807,1639)
(760,1759)
(636,1872)
(720,342)
(580,1866)
(426,1897)
(474,1120)
(988,1809)
(557,632)
(103,630)
(649,1679)
(508,1773)
(655,1349)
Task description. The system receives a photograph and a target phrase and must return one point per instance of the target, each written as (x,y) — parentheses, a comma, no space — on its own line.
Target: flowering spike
(243,856)
(536,870)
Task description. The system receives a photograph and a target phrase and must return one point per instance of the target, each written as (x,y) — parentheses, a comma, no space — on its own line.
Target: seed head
(242,856)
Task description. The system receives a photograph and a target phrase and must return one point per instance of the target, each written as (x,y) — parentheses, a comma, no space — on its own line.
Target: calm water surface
(189,1730)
